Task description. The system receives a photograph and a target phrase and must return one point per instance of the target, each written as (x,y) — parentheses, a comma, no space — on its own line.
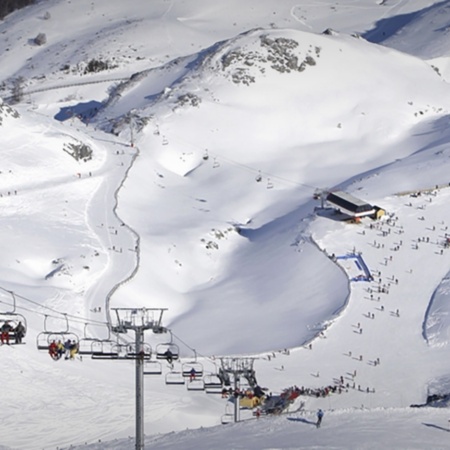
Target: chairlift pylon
(106,350)
(193,367)
(144,353)
(187,368)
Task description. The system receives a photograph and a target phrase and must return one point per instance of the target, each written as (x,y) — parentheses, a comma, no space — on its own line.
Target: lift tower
(238,366)
(139,320)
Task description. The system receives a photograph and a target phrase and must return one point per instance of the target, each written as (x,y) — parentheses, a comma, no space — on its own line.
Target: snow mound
(437,320)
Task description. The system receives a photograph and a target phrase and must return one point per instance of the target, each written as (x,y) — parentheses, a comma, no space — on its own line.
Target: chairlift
(212,384)
(205,155)
(216,164)
(225,377)
(174,378)
(167,351)
(86,347)
(13,319)
(46,337)
(195,385)
(188,367)
(258,177)
(106,350)
(269,184)
(144,353)
(89,345)
(152,368)
(192,368)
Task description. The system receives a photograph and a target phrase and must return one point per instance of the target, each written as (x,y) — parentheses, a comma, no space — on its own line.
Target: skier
(168,355)
(19,333)
(73,349)
(53,350)
(319,418)
(5,330)
(192,375)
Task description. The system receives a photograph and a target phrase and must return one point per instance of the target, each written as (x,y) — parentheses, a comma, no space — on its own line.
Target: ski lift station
(352,206)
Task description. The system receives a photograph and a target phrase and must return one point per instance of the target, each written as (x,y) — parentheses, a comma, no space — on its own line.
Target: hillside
(167,156)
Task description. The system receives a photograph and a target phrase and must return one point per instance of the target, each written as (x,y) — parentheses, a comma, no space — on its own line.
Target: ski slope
(207,137)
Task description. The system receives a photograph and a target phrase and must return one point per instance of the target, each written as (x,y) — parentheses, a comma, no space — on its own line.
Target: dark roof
(349,204)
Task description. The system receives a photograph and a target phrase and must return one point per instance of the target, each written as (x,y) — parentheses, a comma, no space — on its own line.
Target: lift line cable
(251,169)
(73,317)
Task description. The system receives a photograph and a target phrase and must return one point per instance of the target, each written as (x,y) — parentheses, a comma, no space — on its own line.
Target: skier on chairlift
(5,330)
(19,333)
(168,355)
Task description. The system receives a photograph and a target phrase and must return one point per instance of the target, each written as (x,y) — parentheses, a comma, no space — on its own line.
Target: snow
(215,125)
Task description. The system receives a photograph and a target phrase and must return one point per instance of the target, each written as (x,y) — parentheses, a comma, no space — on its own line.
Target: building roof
(350,205)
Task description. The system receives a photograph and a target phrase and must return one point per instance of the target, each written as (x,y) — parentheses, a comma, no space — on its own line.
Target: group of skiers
(57,349)
(7,329)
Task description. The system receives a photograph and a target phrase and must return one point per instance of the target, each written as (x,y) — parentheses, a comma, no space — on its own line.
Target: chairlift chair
(188,366)
(46,337)
(152,368)
(106,350)
(212,384)
(132,353)
(163,348)
(86,347)
(174,377)
(13,319)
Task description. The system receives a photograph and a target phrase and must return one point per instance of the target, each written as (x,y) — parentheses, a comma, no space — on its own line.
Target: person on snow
(319,418)
(19,333)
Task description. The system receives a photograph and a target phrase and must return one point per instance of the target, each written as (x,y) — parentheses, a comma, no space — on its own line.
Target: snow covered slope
(167,155)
